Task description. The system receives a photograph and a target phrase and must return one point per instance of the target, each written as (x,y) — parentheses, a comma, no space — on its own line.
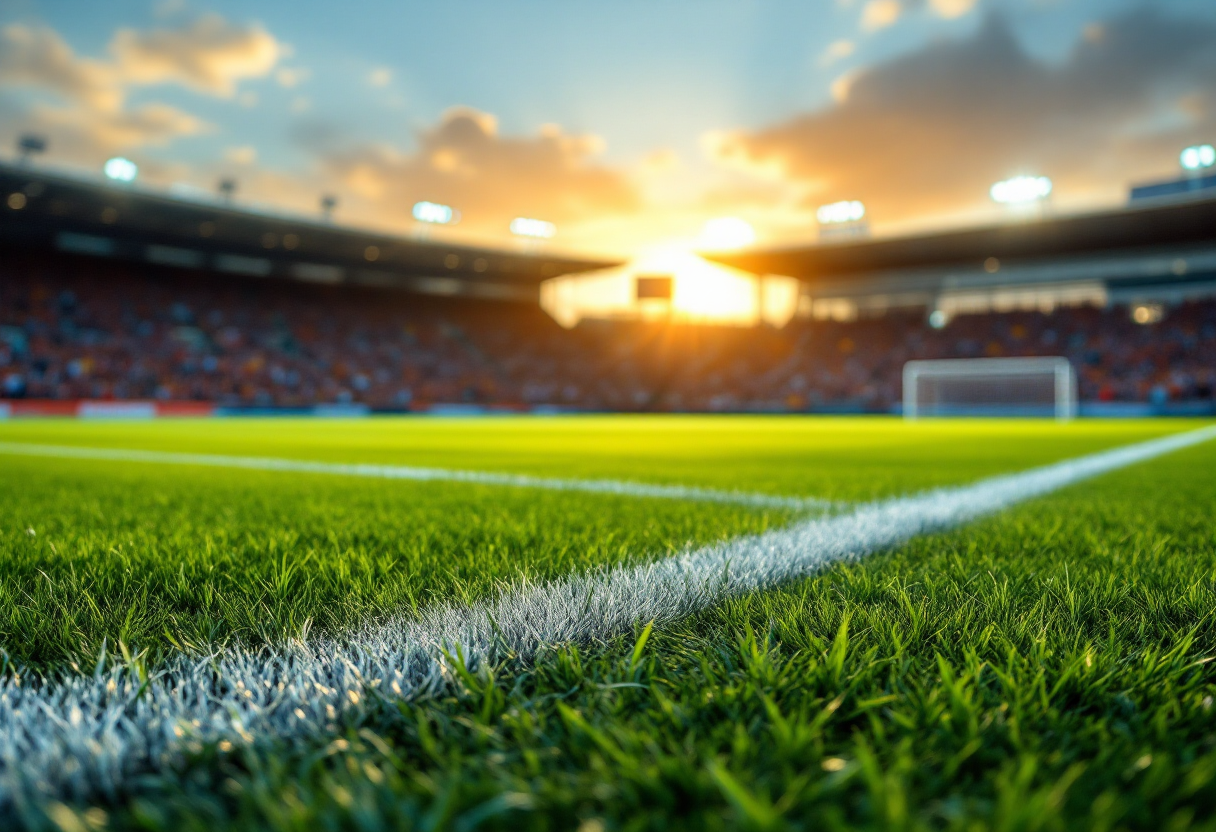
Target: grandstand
(113,299)
(1159,253)
(56,212)
(1126,294)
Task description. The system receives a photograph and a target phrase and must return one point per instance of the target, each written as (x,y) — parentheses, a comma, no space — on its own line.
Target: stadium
(234,299)
(328,519)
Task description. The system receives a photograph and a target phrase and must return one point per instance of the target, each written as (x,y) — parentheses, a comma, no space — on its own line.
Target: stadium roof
(53,210)
(1167,228)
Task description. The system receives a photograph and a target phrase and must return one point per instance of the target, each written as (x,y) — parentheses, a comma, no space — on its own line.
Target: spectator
(82,328)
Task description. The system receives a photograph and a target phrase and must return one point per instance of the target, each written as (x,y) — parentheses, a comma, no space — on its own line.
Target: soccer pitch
(1033,661)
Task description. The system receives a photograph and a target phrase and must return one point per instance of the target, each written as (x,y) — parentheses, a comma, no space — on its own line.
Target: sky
(625,123)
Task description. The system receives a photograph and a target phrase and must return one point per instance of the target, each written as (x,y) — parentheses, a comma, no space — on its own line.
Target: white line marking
(73,736)
(406,472)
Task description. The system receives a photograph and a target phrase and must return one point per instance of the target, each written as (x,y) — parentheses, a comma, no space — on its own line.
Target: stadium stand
(74,327)
(111,294)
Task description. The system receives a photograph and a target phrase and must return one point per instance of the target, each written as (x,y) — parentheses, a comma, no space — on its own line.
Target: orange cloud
(951,9)
(209,55)
(836,51)
(929,132)
(39,57)
(82,133)
(879,14)
(490,178)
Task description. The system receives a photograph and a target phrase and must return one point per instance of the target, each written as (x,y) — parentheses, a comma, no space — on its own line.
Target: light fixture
(1021,189)
(527,227)
(849,210)
(31,144)
(1198,157)
(120,169)
(434,213)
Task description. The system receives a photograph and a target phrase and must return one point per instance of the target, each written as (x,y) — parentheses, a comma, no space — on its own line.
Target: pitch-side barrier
(153,409)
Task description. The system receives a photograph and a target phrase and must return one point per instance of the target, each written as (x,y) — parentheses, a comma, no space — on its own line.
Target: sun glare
(725,233)
(702,291)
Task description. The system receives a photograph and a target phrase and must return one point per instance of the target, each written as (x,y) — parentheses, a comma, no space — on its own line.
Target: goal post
(1045,387)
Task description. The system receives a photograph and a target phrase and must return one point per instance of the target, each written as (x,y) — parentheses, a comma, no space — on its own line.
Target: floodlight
(433,212)
(840,212)
(1021,189)
(527,227)
(120,169)
(1198,157)
(727,233)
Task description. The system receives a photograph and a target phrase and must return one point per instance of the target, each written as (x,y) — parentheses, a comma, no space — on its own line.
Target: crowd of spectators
(78,328)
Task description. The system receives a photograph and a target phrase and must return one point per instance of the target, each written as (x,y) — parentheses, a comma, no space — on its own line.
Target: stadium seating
(82,328)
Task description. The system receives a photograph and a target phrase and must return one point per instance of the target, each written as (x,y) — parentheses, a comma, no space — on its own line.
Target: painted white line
(74,736)
(406,472)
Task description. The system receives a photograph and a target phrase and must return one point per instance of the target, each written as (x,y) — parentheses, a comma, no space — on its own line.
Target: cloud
(836,51)
(841,86)
(380,77)
(241,155)
(929,131)
(465,162)
(658,162)
(209,55)
(39,57)
(169,8)
(879,14)
(91,114)
(951,9)
(290,77)
(79,132)
(93,117)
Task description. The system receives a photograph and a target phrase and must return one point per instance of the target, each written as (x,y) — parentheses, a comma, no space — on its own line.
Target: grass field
(1045,667)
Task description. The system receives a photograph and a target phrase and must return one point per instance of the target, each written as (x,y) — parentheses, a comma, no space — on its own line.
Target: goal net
(1043,387)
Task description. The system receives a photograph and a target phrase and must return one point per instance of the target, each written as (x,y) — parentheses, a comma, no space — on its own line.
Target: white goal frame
(989,369)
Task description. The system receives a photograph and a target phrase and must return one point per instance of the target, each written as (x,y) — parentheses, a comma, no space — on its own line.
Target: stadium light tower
(528,227)
(1198,158)
(435,214)
(29,145)
(227,189)
(120,169)
(1021,190)
(328,203)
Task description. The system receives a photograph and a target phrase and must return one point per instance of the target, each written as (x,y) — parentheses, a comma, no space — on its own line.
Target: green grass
(163,558)
(1042,669)
(846,458)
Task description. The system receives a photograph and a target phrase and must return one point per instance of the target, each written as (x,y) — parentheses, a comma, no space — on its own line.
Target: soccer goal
(1042,387)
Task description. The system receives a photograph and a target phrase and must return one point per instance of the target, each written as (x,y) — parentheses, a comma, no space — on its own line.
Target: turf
(1042,669)
(845,459)
(163,558)
(168,558)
